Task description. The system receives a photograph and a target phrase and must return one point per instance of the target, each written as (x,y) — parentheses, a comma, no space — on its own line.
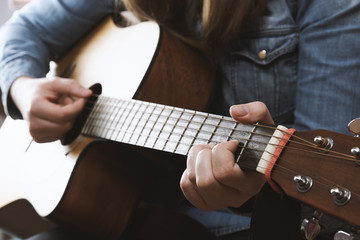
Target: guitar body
(92,186)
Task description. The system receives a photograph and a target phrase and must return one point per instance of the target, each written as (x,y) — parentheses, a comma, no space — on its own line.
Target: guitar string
(168,133)
(323,181)
(317,179)
(204,140)
(213,116)
(320,182)
(287,171)
(163,148)
(330,183)
(180,111)
(307,143)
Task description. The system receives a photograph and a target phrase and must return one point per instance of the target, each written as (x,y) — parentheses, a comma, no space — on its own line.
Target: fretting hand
(212,179)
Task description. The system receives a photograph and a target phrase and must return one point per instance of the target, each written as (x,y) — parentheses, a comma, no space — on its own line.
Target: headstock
(321,168)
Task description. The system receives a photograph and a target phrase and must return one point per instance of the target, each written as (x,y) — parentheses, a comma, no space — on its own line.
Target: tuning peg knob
(325,143)
(354,127)
(341,196)
(341,235)
(304,183)
(310,228)
(356,152)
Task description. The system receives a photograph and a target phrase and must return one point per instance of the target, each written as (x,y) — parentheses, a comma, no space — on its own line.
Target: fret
(171,129)
(260,140)
(166,130)
(229,136)
(110,112)
(129,119)
(107,115)
(118,113)
(254,147)
(222,129)
(162,137)
(118,124)
(92,119)
(154,131)
(145,131)
(246,143)
(101,117)
(177,131)
(138,124)
(208,129)
(187,135)
(216,126)
(88,121)
(199,121)
(124,116)
(241,132)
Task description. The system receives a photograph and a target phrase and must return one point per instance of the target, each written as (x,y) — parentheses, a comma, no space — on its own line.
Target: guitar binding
(71,135)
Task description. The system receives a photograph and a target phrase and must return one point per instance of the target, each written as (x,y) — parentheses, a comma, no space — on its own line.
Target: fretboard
(172,129)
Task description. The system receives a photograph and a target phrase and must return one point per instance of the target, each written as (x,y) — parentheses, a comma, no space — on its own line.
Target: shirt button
(262,54)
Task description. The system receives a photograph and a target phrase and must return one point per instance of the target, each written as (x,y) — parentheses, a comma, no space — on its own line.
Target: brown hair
(221,20)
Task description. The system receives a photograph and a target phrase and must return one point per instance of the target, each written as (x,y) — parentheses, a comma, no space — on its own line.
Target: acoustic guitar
(150,94)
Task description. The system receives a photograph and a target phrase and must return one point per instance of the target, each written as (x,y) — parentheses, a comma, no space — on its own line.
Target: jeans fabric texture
(301,58)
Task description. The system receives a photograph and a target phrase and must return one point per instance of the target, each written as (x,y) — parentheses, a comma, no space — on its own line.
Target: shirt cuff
(9,73)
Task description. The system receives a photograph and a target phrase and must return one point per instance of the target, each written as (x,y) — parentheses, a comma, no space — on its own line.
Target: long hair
(217,21)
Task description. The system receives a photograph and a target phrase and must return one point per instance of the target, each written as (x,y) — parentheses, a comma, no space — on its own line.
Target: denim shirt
(42,31)
(301,58)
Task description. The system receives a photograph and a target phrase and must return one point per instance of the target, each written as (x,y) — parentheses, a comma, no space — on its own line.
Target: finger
(190,191)
(228,173)
(191,160)
(57,113)
(67,100)
(70,87)
(251,113)
(203,170)
(46,131)
(215,194)
(225,169)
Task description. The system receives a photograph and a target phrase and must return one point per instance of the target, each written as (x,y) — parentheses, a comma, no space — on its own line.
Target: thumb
(70,87)
(251,112)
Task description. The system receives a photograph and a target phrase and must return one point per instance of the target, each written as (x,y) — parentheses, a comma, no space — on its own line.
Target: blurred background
(7,8)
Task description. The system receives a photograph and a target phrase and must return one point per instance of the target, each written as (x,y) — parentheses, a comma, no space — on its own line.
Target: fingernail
(85,90)
(240,110)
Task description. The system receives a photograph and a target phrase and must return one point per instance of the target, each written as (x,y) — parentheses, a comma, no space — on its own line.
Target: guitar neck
(172,129)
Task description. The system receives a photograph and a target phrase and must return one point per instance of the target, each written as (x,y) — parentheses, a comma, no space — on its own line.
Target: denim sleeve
(327,95)
(42,31)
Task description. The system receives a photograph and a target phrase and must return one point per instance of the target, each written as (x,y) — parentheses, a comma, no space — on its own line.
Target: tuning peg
(341,196)
(311,227)
(354,127)
(324,142)
(356,152)
(341,235)
(304,183)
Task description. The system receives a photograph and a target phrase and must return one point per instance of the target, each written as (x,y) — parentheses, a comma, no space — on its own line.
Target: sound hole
(81,119)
